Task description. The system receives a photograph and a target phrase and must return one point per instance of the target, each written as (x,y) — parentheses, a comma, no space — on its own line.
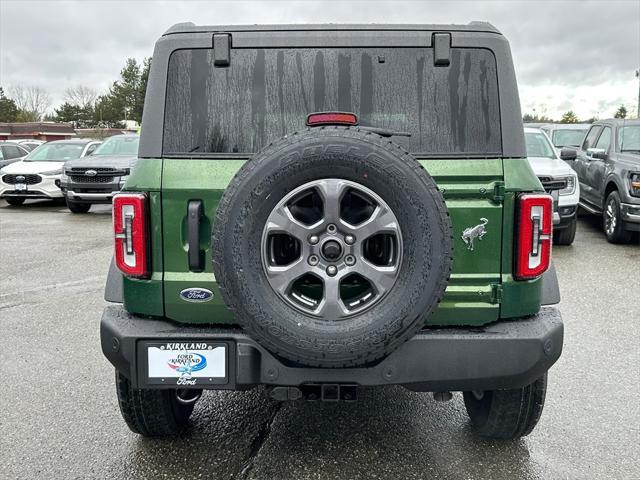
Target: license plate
(20,187)
(186,364)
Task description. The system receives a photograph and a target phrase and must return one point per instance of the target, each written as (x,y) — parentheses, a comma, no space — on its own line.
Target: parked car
(558,179)
(28,143)
(566,135)
(38,174)
(98,177)
(11,153)
(608,168)
(314,253)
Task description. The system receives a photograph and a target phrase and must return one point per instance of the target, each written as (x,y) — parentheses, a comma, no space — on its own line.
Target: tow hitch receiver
(326,392)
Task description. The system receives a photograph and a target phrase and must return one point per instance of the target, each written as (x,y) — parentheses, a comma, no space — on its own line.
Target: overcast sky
(579,55)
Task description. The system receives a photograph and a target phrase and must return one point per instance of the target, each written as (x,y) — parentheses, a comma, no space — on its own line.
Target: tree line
(83,106)
(569,117)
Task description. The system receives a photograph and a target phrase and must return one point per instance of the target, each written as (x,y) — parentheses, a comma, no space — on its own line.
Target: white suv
(38,174)
(558,179)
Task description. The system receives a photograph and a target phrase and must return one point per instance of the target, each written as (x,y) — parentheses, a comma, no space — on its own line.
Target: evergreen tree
(80,116)
(142,90)
(8,108)
(621,112)
(569,117)
(125,98)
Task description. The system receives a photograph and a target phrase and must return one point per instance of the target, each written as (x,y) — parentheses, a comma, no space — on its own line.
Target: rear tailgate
(217,113)
(472,189)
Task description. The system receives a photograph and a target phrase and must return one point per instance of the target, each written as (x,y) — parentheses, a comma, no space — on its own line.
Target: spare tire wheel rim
(331,248)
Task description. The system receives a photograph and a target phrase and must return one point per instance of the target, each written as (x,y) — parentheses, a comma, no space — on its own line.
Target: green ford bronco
(318,208)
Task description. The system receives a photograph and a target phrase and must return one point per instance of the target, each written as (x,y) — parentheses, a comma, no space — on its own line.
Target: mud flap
(550,288)
(113,288)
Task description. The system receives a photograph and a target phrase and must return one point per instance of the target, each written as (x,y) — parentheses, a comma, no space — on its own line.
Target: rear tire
(15,201)
(77,207)
(507,414)
(566,235)
(155,413)
(612,220)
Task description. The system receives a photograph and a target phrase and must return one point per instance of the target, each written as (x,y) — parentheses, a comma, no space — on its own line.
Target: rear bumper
(507,354)
(564,216)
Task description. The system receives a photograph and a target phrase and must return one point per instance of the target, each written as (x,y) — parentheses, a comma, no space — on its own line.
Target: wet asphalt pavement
(59,417)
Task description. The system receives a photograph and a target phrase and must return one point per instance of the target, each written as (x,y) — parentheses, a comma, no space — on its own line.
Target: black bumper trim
(567,219)
(506,354)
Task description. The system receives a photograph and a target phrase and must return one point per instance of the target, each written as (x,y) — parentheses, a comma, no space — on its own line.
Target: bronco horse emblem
(471,233)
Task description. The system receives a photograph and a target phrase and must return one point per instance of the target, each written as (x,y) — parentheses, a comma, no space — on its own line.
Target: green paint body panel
(146,176)
(145,297)
(469,188)
(185,180)
(481,289)
(519,298)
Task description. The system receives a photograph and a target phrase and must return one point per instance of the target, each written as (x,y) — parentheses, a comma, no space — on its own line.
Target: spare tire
(331,247)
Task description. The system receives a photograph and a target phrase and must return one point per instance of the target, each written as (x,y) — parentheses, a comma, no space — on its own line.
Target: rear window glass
(538,145)
(119,145)
(568,138)
(266,93)
(55,152)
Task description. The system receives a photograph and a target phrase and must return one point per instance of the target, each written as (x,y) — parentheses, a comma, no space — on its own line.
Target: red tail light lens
(332,118)
(130,227)
(534,235)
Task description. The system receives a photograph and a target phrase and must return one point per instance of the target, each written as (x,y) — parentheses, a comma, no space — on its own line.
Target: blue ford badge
(196,295)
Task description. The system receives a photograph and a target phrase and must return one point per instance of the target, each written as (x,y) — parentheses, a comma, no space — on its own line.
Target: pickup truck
(608,168)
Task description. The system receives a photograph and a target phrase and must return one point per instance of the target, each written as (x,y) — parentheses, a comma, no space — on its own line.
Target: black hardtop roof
(188,36)
(190,27)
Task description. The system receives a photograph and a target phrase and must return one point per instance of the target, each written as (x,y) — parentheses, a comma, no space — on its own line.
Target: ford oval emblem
(90,173)
(20,178)
(196,295)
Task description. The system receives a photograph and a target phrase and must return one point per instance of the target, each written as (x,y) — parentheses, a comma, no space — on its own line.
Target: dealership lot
(60,418)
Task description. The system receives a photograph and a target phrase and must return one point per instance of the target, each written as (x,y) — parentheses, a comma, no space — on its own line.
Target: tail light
(131,237)
(332,118)
(534,225)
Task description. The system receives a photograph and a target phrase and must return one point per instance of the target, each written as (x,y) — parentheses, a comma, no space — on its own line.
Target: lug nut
(331,270)
(331,228)
(313,239)
(350,239)
(350,260)
(313,260)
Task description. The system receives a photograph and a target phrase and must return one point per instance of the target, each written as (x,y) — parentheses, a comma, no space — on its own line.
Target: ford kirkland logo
(196,295)
(90,173)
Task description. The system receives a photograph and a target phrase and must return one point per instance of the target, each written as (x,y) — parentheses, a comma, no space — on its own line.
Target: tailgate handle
(194,213)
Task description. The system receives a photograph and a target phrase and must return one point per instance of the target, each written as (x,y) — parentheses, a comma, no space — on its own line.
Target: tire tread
(221,224)
(148,412)
(508,414)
